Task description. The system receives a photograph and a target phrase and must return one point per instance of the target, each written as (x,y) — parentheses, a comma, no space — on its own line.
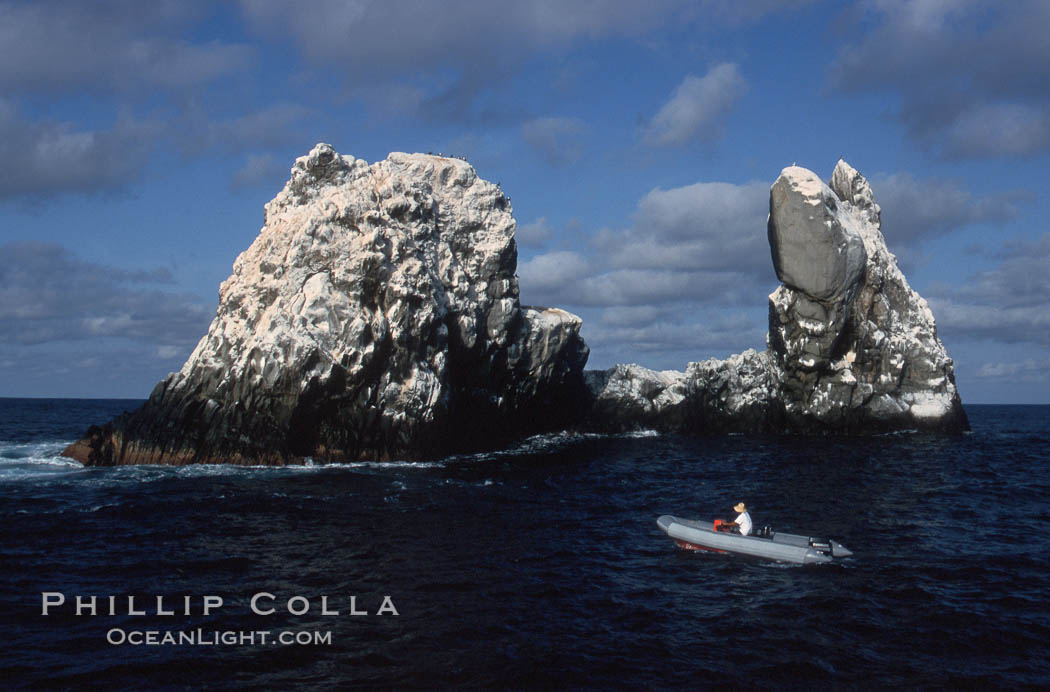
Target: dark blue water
(540,566)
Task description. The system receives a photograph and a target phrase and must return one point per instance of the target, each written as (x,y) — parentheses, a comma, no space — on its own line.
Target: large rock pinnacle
(851,347)
(376,315)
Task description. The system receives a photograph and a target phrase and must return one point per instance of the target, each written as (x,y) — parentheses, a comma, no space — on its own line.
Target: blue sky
(637,142)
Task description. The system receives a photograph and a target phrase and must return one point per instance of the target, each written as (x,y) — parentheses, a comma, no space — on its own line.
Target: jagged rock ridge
(376,315)
(851,347)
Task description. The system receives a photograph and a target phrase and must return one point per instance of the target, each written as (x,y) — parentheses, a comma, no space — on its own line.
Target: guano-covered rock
(851,347)
(376,315)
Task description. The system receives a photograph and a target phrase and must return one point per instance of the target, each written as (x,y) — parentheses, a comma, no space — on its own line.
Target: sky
(637,142)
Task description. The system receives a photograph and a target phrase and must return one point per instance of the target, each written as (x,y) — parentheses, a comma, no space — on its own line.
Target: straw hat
(739,507)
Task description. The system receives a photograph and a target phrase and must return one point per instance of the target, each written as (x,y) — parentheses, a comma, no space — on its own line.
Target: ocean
(538,566)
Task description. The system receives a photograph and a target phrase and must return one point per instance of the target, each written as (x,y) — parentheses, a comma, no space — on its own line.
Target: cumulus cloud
(121,58)
(959,319)
(697,108)
(663,332)
(47,294)
(686,280)
(44,158)
(373,34)
(558,140)
(88,369)
(370,35)
(1027,370)
(915,210)
(954,68)
(1020,278)
(551,275)
(693,267)
(704,227)
(115,44)
(701,243)
(999,129)
(439,57)
(1008,303)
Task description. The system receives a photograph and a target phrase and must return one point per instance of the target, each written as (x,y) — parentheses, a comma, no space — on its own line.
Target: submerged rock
(376,315)
(851,347)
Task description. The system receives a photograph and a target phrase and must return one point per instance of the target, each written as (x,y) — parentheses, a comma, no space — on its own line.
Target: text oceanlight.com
(202,637)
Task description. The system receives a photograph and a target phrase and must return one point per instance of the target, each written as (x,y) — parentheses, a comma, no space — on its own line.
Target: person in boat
(742,523)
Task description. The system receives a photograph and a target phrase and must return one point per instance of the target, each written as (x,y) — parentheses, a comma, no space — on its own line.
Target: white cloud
(701,243)
(992,321)
(641,286)
(441,56)
(551,275)
(716,330)
(972,78)
(705,226)
(923,15)
(1028,370)
(43,158)
(1020,279)
(999,129)
(696,252)
(1009,303)
(697,108)
(670,335)
(688,279)
(915,211)
(117,45)
(375,36)
(47,294)
(78,75)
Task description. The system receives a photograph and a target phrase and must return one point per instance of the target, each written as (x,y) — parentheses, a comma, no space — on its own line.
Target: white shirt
(744,522)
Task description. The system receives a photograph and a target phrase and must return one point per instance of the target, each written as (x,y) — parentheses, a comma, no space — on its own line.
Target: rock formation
(376,315)
(851,347)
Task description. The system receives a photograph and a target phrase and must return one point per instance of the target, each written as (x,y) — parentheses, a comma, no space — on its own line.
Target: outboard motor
(829,547)
(838,550)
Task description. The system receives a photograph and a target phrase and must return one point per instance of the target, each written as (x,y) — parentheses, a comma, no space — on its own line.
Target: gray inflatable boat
(772,545)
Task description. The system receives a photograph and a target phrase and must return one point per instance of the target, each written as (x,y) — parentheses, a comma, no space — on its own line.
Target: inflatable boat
(769,544)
